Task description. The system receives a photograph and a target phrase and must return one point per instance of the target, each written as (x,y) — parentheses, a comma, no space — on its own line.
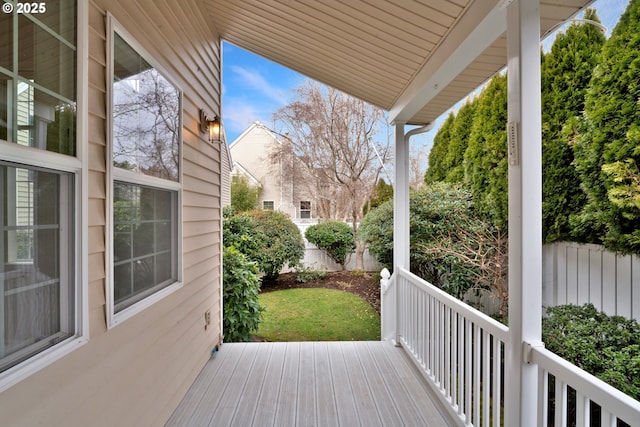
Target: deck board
(304,384)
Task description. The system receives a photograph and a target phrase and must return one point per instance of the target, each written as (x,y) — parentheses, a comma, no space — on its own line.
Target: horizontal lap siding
(137,372)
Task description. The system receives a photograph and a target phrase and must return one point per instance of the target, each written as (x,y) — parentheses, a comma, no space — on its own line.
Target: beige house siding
(251,151)
(137,372)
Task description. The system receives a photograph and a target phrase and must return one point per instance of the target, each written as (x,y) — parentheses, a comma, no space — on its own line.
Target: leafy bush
(244,196)
(268,238)
(333,238)
(308,274)
(242,310)
(438,214)
(608,347)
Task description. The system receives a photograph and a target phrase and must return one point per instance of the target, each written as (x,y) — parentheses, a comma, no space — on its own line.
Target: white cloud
(239,114)
(252,79)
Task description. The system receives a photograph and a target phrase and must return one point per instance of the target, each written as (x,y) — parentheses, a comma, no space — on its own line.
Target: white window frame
(78,167)
(273,208)
(117,174)
(305,210)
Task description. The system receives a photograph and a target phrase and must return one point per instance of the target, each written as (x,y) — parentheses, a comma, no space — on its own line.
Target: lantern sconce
(210,125)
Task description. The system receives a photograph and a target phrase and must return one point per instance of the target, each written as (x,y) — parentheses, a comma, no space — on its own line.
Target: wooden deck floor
(309,384)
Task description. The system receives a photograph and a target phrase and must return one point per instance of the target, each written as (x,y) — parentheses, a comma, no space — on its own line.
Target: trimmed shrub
(266,237)
(608,347)
(242,311)
(334,238)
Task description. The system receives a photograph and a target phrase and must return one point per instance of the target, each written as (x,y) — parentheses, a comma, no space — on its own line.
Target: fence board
(609,282)
(572,275)
(583,276)
(561,278)
(623,280)
(595,278)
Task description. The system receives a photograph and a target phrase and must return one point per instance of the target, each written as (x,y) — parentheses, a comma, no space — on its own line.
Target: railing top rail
(496,328)
(613,400)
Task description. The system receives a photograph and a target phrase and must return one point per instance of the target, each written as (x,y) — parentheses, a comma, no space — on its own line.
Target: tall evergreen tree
(436,171)
(607,151)
(460,132)
(381,194)
(485,159)
(566,71)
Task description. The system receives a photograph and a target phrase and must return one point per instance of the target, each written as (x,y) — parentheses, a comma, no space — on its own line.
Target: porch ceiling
(415,58)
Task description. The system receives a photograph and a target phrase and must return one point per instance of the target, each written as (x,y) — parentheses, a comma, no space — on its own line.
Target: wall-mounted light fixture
(210,125)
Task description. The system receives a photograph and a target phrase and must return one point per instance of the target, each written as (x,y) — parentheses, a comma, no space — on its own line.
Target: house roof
(413,58)
(255,125)
(238,169)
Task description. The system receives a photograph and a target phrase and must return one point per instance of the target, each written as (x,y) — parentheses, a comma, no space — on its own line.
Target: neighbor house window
(305,209)
(38,293)
(145,196)
(268,205)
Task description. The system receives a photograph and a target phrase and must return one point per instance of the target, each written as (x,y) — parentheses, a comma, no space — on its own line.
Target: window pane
(4,106)
(58,18)
(145,242)
(37,269)
(146,116)
(6,34)
(45,60)
(38,82)
(44,122)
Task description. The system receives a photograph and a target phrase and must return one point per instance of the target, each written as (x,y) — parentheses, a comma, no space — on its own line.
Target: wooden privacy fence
(578,274)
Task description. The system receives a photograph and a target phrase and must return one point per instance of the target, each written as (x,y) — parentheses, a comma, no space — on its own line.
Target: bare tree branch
(332,134)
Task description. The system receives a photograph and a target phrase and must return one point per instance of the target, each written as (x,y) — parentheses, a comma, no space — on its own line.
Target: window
(268,205)
(39,304)
(144,241)
(37,270)
(145,185)
(305,209)
(38,78)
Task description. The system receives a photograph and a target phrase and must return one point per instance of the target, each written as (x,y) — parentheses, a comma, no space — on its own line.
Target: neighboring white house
(252,154)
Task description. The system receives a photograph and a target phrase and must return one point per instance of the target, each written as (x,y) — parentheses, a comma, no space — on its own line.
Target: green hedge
(608,347)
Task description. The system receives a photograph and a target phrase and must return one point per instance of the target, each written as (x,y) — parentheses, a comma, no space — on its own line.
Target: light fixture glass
(214,129)
(211,125)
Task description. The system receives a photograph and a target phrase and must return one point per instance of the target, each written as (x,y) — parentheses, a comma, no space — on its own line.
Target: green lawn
(317,315)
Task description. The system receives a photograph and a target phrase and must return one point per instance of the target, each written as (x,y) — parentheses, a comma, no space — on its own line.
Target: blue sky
(254,88)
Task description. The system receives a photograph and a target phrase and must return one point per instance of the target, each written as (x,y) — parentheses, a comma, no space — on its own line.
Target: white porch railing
(587,392)
(460,351)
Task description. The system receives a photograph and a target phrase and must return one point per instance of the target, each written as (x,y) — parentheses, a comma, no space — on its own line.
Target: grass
(317,315)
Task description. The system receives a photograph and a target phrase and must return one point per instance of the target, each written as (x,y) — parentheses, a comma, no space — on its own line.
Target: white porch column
(401,199)
(525,209)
